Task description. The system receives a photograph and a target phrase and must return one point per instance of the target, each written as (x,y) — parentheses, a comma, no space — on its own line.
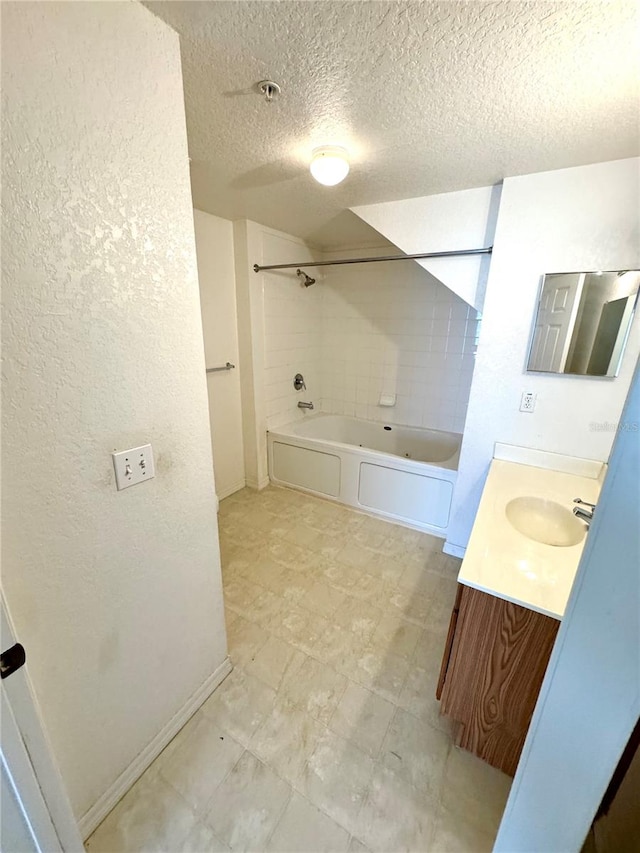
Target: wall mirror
(582,322)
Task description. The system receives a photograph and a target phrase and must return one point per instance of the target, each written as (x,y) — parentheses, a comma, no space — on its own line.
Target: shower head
(306,279)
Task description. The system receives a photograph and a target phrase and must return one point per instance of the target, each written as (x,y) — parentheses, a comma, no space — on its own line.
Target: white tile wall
(292,345)
(393,329)
(292,333)
(363,331)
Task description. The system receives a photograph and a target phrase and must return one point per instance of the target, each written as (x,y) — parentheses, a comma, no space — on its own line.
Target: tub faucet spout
(302,405)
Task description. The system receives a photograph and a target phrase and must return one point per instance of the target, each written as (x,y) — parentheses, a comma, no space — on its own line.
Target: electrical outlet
(528,401)
(133,466)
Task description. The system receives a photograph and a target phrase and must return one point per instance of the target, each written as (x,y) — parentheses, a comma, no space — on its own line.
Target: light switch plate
(133,466)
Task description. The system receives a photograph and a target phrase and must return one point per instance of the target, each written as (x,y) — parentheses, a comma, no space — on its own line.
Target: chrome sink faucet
(585,514)
(302,405)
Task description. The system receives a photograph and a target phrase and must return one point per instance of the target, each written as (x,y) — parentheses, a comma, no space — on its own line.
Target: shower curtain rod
(485,251)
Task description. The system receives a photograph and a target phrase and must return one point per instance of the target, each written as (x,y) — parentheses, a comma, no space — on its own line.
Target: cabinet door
(448,647)
(498,660)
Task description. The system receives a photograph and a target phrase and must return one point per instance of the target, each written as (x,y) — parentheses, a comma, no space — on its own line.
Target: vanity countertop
(506,563)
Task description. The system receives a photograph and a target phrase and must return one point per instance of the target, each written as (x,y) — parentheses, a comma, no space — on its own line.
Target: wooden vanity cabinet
(492,668)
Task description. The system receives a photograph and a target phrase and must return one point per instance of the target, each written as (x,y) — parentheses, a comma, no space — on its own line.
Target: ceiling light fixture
(329,165)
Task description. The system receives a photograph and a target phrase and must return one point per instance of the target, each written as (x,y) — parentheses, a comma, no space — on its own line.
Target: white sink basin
(545,521)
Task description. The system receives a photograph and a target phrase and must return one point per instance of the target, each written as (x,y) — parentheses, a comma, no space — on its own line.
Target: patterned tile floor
(326,736)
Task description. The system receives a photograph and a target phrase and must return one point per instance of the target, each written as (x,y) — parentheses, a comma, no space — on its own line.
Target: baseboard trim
(239,484)
(258,484)
(103,805)
(454,550)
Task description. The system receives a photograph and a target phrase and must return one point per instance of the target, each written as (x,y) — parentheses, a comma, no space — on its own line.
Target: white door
(26,824)
(555,321)
(35,813)
(216,274)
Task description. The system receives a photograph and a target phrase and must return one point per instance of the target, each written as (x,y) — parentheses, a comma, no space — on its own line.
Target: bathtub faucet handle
(298,382)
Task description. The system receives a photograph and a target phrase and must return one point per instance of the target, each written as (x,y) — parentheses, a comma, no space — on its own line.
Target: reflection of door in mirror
(607,335)
(557,311)
(603,323)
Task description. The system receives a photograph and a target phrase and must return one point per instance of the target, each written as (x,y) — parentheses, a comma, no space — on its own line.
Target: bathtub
(396,472)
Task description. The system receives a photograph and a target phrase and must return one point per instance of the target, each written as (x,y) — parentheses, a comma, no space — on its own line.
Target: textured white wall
(250,307)
(443,223)
(392,328)
(116,595)
(586,218)
(216,274)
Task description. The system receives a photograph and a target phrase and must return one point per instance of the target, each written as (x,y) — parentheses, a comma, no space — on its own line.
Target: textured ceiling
(427,96)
